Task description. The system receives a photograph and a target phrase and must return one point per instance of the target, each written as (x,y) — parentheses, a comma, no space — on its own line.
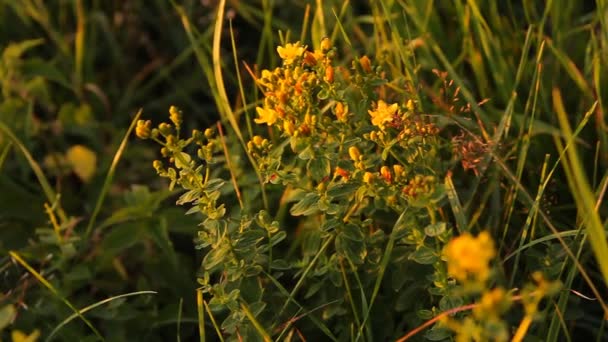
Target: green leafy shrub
(345,228)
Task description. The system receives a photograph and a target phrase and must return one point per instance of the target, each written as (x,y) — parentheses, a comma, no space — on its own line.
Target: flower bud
(257,140)
(329,74)
(341,172)
(341,110)
(143,129)
(158,165)
(410,105)
(366,64)
(165,129)
(354,153)
(209,133)
(175,115)
(368,177)
(385,172)
(289,127)
(325,44)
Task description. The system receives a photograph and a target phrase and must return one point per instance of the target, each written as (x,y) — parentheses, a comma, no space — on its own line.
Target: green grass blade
(457,210)
(91,307)
(201,315)
(54,291)
(583,196)
(256,324)
(110,175)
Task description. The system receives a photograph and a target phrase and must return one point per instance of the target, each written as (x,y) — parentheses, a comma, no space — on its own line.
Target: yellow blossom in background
(469,257)
(19,336)
(492,304)
(290,52)
(267,115)
(383,113)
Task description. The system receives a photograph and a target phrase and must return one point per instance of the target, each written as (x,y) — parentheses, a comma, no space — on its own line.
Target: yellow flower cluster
(468,257)
(289,101)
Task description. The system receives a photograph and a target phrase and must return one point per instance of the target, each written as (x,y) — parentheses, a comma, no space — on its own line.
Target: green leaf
(280,264)
(450,302)
(249,239)
(307,153)
(438,334)
(319,168)
(306,206)
(435,229)
(353,250)
(182,160)
(342,189)
(424,255)
(352,232)
(215,257)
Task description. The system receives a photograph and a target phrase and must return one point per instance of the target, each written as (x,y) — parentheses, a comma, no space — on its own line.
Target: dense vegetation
(389,170)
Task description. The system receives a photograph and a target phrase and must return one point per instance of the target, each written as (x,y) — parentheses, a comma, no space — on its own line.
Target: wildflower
(325,44)
(410,105)
(289,127)
(385,172)
(175,115)
(209,133)
(366,64)
(354,153)
(383,113)
(290,52)
(341,173)
(268,116)
(469,256)
(340,110)
(368,177)
(143,129)
(310,58)
(165,129)
(257,140)
(329,74)
(399,170)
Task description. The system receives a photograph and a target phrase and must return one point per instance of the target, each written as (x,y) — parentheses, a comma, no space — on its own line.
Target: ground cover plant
(392,170)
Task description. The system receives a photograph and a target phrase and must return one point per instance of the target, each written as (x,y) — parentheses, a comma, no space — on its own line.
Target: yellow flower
(469,256)
(368,177)
(383,113)
(267,115)
(290,52)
